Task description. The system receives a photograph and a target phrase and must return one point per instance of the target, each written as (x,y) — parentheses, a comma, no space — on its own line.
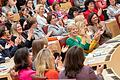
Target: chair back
(118,19)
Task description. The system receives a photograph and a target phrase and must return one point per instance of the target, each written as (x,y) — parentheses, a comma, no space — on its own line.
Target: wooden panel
(113,27)
(118,19)
(66,5)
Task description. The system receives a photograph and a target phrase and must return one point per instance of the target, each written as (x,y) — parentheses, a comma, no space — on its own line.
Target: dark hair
(87,3)
(5,2)
(28,1)
(74,61)
(90,17)
(71,11)
(108,2)
(54,4)
(49,17)
(21,59)
(2,29)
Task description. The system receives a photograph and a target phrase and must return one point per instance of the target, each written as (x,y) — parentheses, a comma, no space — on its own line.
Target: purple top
(86,73)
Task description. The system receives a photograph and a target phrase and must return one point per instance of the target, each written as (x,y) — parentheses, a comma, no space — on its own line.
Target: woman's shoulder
(51,74)
(27,71)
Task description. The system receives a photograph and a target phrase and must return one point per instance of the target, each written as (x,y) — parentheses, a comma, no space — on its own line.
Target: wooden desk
(8,65)
(109,54)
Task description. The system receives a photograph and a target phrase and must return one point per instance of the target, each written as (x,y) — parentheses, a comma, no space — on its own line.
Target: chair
(113,27)
(66,5)
(38,78)
(63,41)
(45,29)
(118,19)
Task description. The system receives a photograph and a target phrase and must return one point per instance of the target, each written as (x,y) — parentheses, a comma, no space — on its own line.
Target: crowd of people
(27,25)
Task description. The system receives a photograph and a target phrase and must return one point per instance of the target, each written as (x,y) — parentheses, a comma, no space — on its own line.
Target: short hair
(2,29)
(54,4)
(21,59)
(49,17)
(71,26)
(71,11)
(87,3)
(90,17)
(74,60)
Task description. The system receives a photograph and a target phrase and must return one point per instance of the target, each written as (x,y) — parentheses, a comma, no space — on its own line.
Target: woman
(7,46)
(56,29)
(113,8)
(26,38)
(30,7)
(57,10)
(23,64)
(9,5)
(98,27)
(41,20)
(75,39)
(75,69)
(44,64)
(24,15)
(90,7)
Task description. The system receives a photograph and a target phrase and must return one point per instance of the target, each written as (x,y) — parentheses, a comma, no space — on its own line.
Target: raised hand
(64,48)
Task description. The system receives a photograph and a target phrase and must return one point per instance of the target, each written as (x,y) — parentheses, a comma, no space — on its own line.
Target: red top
(52,74)
(87,12)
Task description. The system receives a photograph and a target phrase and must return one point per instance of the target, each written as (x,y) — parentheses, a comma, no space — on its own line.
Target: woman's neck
(90,9)
(74,37)
(41,14)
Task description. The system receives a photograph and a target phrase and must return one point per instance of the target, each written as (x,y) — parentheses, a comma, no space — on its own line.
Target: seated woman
(23,64)
(26,38)
(75,69)
(45,64)
(9,5)
(57,9)
(79,37)
(41,18)
(7,46)
(74,39)
(56,29)
(30,7)
(96,26)
(113,8)
(90,7)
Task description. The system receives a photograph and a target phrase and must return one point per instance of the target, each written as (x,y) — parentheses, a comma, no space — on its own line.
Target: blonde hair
(14,29)
(43,61)
(71,26)
(79,18)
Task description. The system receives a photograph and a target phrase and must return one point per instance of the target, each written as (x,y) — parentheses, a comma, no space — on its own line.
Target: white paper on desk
(89,55)
(91,61)
(2,68)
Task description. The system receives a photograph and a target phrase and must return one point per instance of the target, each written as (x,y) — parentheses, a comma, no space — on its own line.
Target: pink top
(101,4)
(25,74)
(52,1)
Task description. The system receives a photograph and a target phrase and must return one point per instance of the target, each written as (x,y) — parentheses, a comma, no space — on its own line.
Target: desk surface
(108,54)
(5,68)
